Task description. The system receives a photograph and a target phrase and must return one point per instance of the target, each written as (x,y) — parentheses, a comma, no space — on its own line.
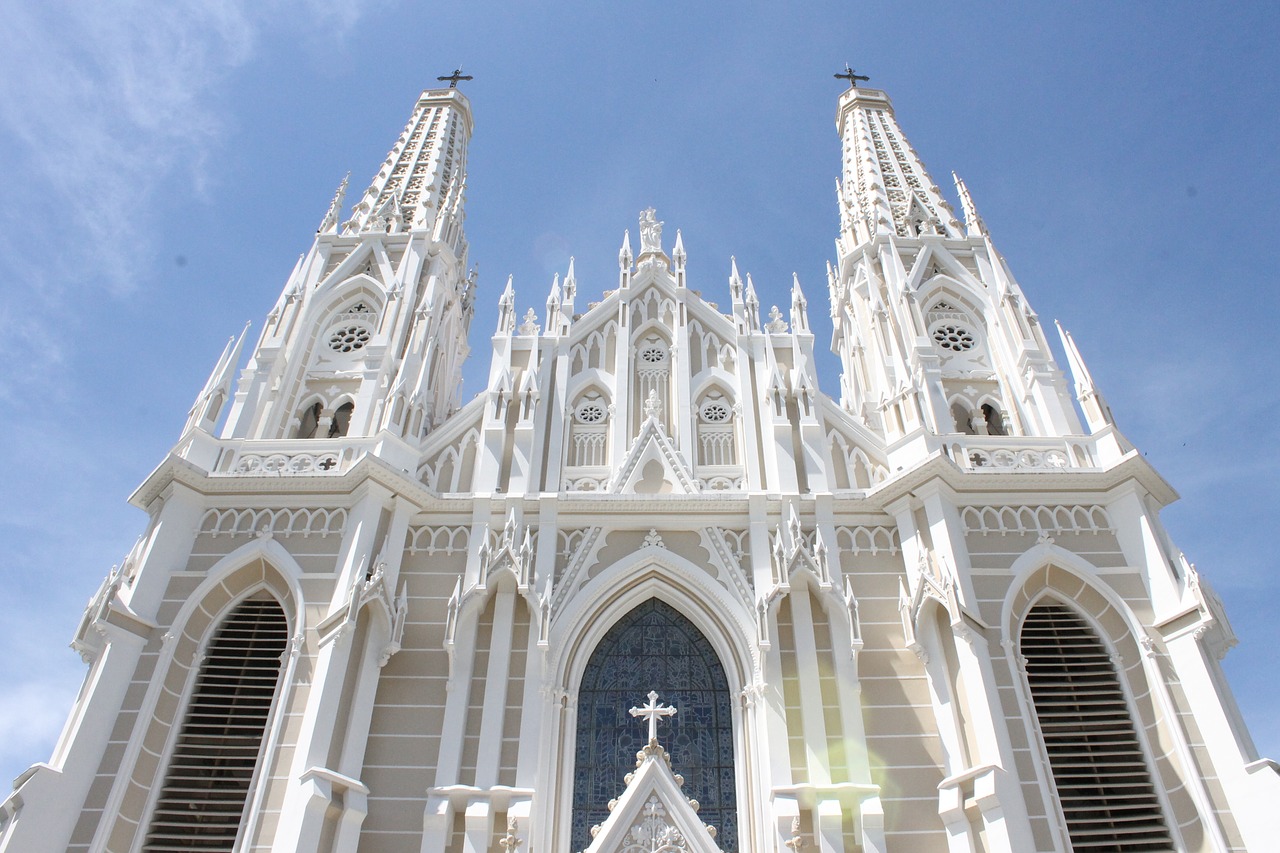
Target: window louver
(1106,790)
(203,798)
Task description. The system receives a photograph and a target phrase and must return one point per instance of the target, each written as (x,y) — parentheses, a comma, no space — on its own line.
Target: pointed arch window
(589,434)
(202,803)
(715,430)
(654,647)
(1104,786)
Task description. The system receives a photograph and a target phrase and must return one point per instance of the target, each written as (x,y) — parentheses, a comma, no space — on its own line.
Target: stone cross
(653,711)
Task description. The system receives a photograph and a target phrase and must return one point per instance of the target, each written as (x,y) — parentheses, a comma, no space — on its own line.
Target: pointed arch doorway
(654,647)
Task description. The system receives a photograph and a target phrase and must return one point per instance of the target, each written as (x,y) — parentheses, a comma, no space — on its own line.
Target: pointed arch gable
(332,295)
(590,612)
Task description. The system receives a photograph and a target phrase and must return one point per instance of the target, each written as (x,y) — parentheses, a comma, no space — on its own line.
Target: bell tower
(370,331)
(934,334)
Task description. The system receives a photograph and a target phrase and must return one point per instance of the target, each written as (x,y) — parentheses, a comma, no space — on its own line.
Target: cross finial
(653,711)
(455,77)
(849,74)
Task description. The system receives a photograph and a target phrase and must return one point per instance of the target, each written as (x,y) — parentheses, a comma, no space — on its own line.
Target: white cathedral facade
(652,590)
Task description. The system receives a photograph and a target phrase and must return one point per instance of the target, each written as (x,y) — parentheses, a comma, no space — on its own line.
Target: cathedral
(652,589)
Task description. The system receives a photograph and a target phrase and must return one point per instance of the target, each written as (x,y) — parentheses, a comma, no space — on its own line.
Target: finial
(624,254)
(972,221)
(652,404)
(849,74)
(330,220)
(455,77)
(678,252)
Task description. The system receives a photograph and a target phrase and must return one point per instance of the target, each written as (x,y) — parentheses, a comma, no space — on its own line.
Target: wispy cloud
(100,105)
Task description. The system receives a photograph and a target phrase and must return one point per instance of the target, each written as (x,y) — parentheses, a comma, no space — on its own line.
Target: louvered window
(1106,790)
(203,799)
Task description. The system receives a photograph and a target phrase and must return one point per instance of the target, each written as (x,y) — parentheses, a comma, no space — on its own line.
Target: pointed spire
(217,388)
(570,290)
(752,306)
(624,253)
(878,157)
(419,197)
(1096,411)
(678,256)
(329,225)
(507,308)
(799,306)
(974,226)
(735,281)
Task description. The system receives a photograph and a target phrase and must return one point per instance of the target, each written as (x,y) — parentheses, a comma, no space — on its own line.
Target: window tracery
(654,647)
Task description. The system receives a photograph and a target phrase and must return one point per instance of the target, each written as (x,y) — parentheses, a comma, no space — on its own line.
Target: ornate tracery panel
(655,648)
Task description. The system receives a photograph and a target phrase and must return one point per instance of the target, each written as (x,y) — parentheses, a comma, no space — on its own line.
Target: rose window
(954,338)
(349,338)
(591,412)
(715,411)
(653,354)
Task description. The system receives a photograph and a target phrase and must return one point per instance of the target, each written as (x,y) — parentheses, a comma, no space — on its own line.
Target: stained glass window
(655,648)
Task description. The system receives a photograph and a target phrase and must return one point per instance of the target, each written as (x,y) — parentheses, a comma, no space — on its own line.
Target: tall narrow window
(202,803)
(655,648)
(1107,794)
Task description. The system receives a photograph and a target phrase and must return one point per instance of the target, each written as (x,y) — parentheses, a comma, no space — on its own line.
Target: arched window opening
(309,421)
(652,380)
(203,799)
(1107,795)
(964,421)
(655,648)
(341,420)
(589,435)
(995,420)
(715,431)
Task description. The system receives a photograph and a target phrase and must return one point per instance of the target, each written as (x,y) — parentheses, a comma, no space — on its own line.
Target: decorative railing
(292,458)
(1019,453)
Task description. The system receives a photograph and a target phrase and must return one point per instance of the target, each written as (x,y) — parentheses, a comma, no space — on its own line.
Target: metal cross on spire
(455,77)
(849,74)
(653,711)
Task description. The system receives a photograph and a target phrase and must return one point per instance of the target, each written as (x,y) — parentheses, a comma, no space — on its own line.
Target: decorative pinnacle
(652,712)
(849,74)
(455,77)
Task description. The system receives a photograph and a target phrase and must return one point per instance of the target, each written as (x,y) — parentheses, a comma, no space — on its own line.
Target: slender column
(815,727)
(489,756)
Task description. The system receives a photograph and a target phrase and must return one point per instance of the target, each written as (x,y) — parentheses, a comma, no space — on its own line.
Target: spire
(624,253)
(735,281)
(974,226)
(329,225)
(423,168)
(217,389)
(507,308)
(885,185)
(570,289)
(752,307)
(799,306)
(678,255)
(624,260)
(1096,411)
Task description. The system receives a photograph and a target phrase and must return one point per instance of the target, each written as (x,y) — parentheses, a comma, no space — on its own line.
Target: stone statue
(650,232)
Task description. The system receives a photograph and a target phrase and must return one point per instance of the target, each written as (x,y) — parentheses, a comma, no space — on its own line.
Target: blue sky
(165,164)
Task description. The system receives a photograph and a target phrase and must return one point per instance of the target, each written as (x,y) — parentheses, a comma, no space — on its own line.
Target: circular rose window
(715,411)
(954,338)
(349,338)
(590,412)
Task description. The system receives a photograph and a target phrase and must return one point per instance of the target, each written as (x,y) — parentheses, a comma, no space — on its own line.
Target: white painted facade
(861,568)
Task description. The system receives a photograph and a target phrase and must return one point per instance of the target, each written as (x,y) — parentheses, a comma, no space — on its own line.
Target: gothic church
(652,590)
